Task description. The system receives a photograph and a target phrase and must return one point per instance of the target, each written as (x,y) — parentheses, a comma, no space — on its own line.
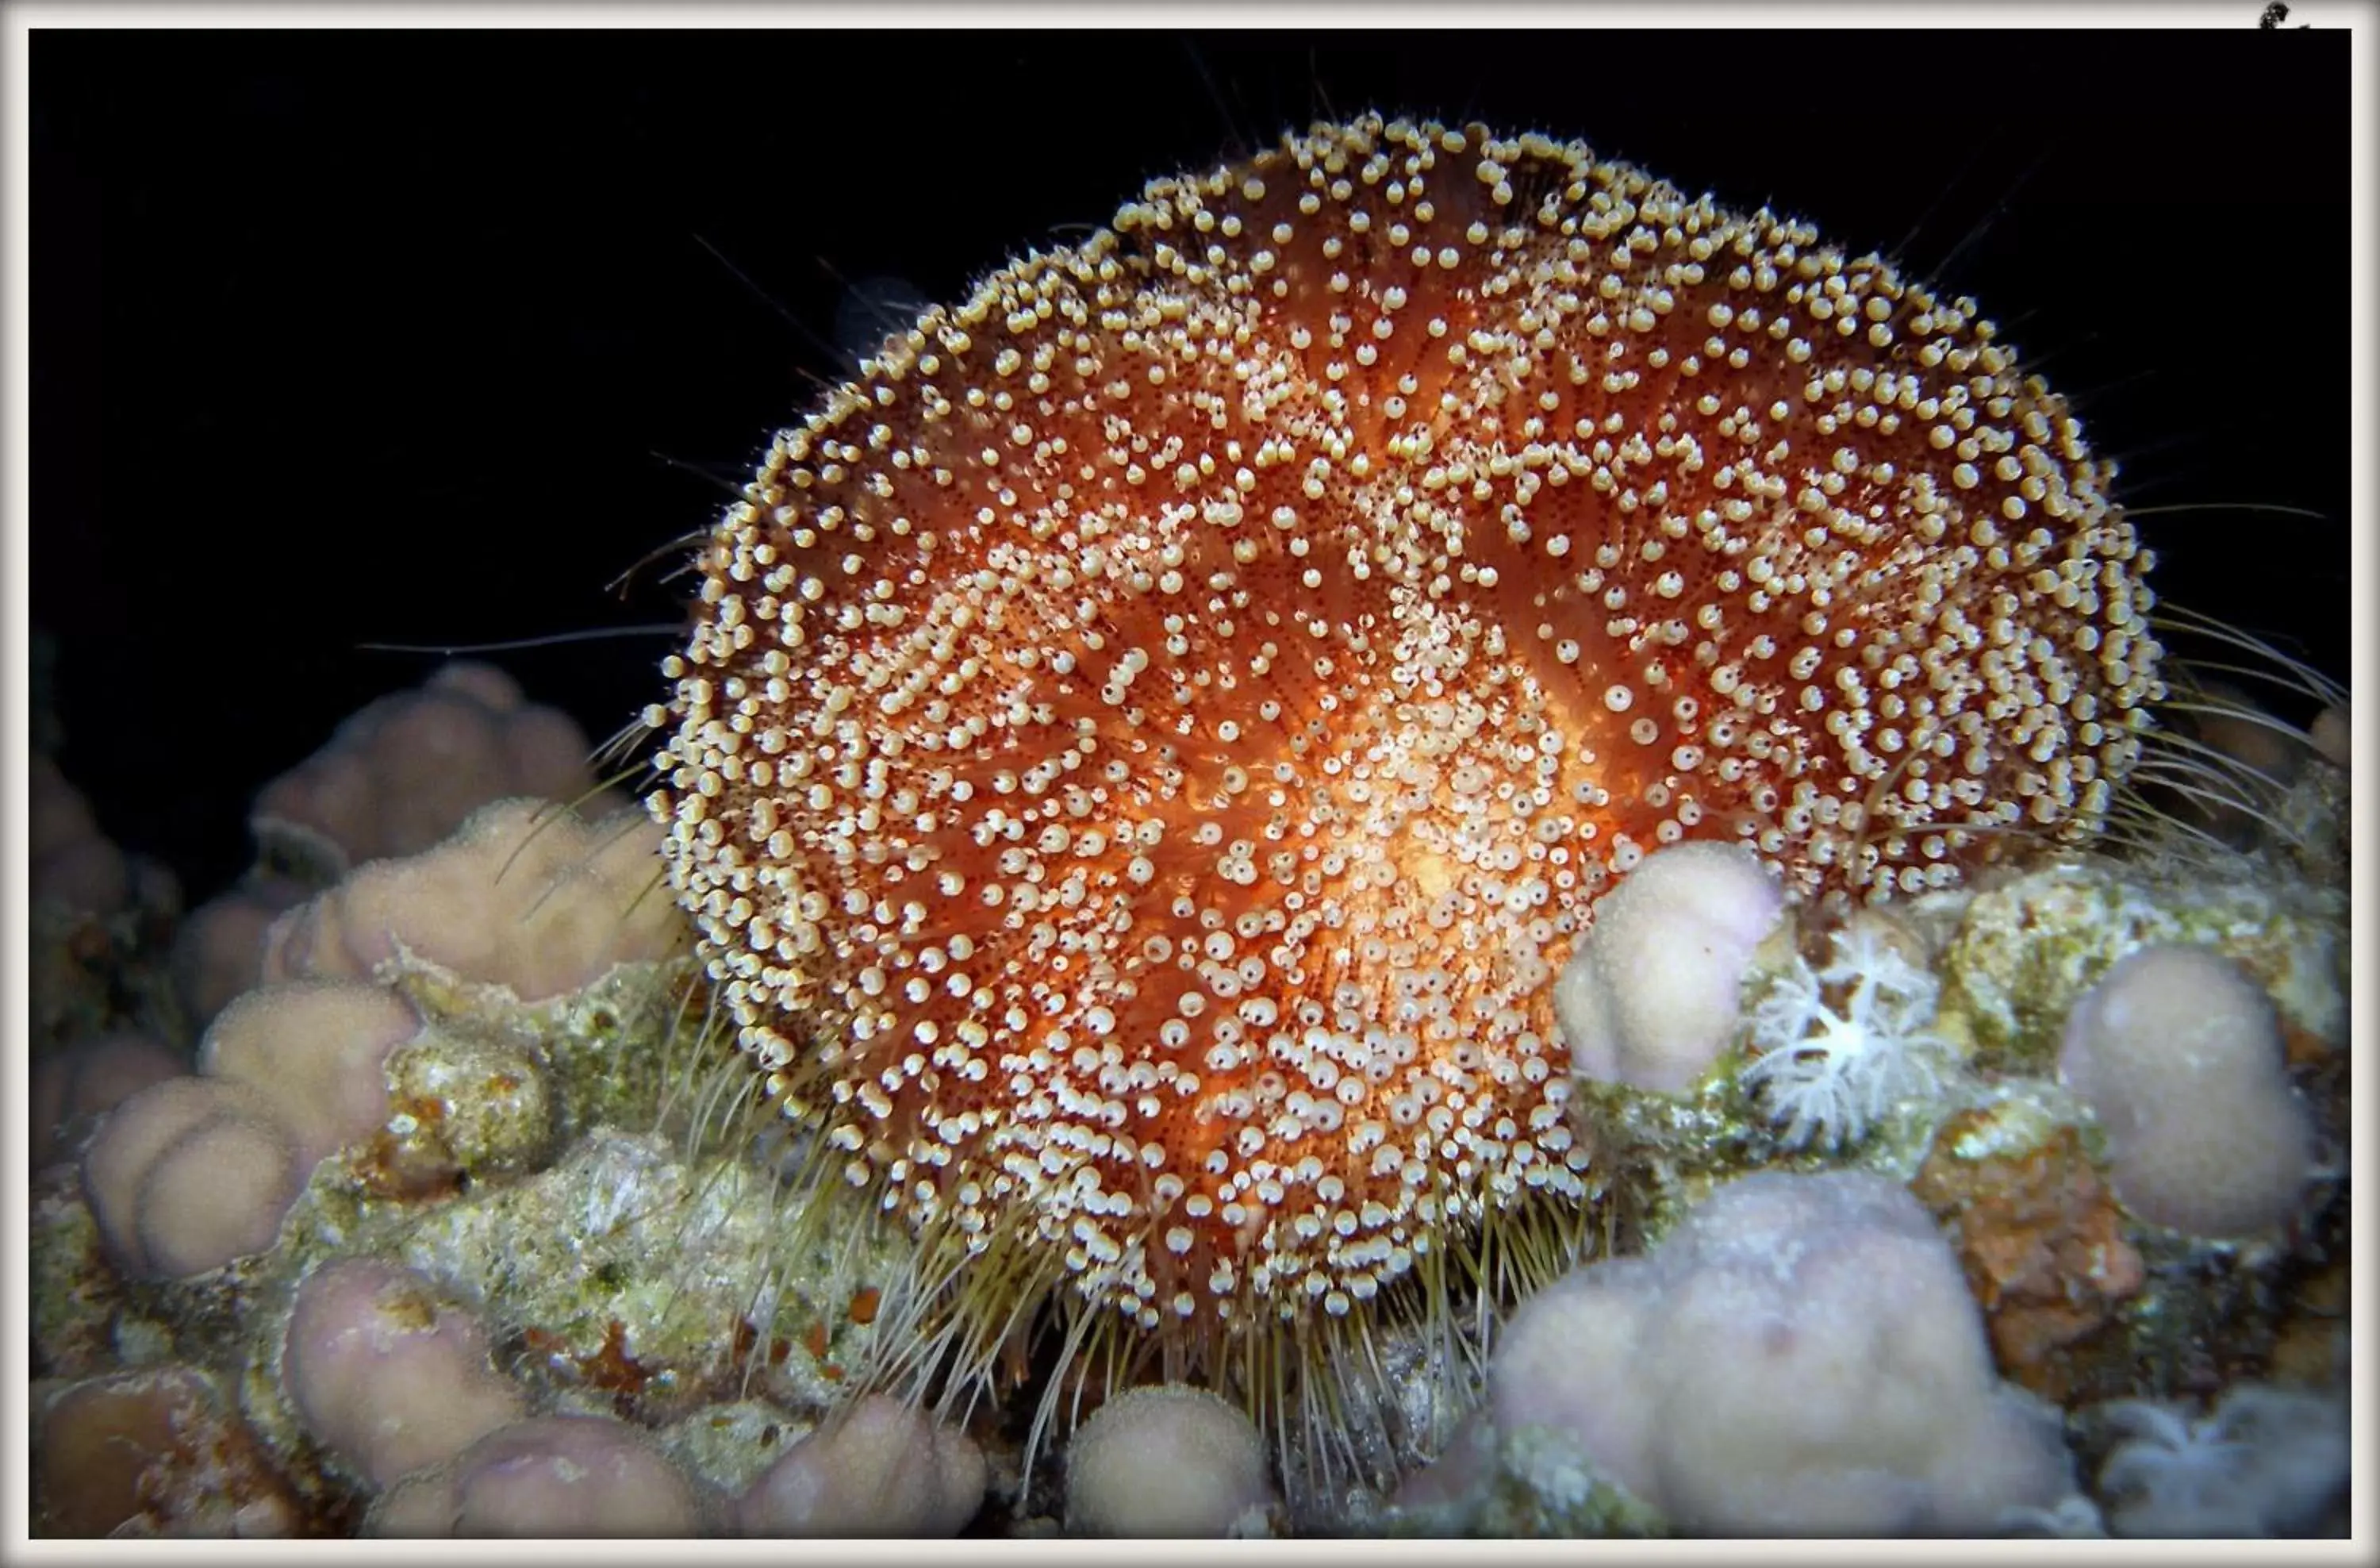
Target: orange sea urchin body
(1147,746)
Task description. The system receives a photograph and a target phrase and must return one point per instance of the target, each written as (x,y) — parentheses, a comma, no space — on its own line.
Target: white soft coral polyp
(1833,1071)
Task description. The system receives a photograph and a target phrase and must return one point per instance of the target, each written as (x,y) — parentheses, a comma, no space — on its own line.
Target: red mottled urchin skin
(1145,747)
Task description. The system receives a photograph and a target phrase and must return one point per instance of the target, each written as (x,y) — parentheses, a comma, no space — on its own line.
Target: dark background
(353,338)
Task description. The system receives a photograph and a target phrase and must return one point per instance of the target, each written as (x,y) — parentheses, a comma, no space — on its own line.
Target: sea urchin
(1146,746)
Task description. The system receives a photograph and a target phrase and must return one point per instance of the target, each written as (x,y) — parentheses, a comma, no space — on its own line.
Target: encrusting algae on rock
(1135,794)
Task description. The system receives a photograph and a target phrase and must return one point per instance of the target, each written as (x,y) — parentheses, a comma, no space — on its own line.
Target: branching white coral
(1830,1072)
(2265,1460)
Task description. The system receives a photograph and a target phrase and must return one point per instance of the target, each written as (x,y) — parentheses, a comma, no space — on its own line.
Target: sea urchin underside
(1146,746)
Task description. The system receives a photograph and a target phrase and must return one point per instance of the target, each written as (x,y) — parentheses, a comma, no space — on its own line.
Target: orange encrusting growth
(1147,746)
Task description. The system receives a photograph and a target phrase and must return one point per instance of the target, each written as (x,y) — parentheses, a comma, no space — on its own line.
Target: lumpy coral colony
(1146,746)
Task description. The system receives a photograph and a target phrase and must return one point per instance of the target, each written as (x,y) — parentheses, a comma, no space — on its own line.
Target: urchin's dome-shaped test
(1147,745)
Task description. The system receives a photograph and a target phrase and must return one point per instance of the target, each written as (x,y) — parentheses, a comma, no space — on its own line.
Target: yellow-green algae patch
(2029,947)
